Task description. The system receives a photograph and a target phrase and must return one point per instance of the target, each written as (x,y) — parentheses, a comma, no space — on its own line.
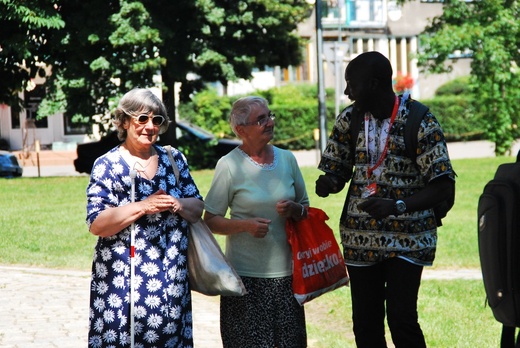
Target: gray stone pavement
(43,308)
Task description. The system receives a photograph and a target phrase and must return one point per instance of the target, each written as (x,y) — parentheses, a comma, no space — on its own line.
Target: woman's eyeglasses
(263,121)
(157,120)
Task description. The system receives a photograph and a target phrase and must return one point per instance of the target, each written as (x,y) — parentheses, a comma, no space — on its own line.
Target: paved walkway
(47,308)
(44,308)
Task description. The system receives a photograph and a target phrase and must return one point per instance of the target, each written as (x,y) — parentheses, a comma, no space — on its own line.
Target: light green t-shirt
(250,190)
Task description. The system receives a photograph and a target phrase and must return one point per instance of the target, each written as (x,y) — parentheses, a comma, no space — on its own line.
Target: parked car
(9,166)
(4,144)
(202,148)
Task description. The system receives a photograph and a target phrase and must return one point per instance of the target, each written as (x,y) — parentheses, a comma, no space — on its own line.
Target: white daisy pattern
(119,281)
(153,285)
(114,301)
(162,311)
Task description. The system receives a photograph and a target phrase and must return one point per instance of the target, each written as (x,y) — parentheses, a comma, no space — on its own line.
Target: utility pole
(321,82)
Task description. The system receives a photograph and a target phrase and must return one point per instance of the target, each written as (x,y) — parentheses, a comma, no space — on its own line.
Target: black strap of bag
(411,130)
(415,116)
(507,340)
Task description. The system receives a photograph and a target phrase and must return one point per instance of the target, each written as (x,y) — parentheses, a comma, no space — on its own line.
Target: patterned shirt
(162,296)
(411,236)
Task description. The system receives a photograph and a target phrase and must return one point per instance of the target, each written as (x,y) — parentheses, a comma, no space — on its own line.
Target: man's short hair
(373,64)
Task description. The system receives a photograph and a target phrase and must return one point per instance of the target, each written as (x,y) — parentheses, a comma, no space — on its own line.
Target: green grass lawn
(42,223)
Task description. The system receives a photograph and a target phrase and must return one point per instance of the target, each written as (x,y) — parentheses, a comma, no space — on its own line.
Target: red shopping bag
(318,265)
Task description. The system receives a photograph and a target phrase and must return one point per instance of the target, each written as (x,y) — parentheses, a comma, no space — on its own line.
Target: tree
(24,44)
(105,49)
(489,31)
(110,46)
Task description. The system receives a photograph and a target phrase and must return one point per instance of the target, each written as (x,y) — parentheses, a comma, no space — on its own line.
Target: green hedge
(296,109)
(457,117)
(295,106)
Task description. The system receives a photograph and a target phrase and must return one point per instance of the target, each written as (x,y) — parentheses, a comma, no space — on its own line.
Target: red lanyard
(370,170)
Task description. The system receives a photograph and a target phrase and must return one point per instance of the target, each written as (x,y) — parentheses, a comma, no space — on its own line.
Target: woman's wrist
(302,212)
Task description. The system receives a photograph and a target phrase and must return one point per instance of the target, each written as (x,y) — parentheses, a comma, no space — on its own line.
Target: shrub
(296,109)
(457,117)
(295,106)
(200,154)
(458,86)
(209,111)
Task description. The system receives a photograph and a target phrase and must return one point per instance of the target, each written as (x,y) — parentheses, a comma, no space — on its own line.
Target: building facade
(351,27)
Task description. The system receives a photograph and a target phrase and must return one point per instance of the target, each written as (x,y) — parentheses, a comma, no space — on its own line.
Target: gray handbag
(210,272)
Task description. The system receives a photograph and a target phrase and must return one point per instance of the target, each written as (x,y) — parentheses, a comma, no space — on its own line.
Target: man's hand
(328,184)
(378,208)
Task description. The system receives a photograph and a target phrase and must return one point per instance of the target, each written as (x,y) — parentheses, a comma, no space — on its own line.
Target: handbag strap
(507,339)
(168,149)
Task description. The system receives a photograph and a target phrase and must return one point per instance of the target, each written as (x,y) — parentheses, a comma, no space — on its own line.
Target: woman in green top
(262,186)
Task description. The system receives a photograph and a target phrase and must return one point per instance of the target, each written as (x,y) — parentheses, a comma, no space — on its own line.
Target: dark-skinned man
(388,227)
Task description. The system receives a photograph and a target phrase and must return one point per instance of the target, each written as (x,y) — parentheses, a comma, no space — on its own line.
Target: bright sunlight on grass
(42,224)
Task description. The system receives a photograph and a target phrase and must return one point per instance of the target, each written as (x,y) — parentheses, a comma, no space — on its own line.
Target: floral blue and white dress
(162,312)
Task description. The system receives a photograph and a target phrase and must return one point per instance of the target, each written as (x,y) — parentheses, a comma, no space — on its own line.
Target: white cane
(133,174)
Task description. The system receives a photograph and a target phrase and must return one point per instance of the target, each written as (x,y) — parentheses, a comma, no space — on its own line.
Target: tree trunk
(168,97)
(225,89)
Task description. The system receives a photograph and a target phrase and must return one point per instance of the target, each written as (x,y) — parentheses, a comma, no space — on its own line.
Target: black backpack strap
(355,126)
(411,129)
(507,340)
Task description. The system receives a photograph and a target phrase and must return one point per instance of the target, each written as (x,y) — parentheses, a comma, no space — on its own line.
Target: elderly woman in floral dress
(159,215)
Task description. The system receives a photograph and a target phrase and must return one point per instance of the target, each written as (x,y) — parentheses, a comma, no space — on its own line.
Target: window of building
(73,125)
(32,100)
(352,13)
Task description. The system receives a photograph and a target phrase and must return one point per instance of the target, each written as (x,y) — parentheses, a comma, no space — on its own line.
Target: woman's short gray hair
(241,110)
(135,102)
